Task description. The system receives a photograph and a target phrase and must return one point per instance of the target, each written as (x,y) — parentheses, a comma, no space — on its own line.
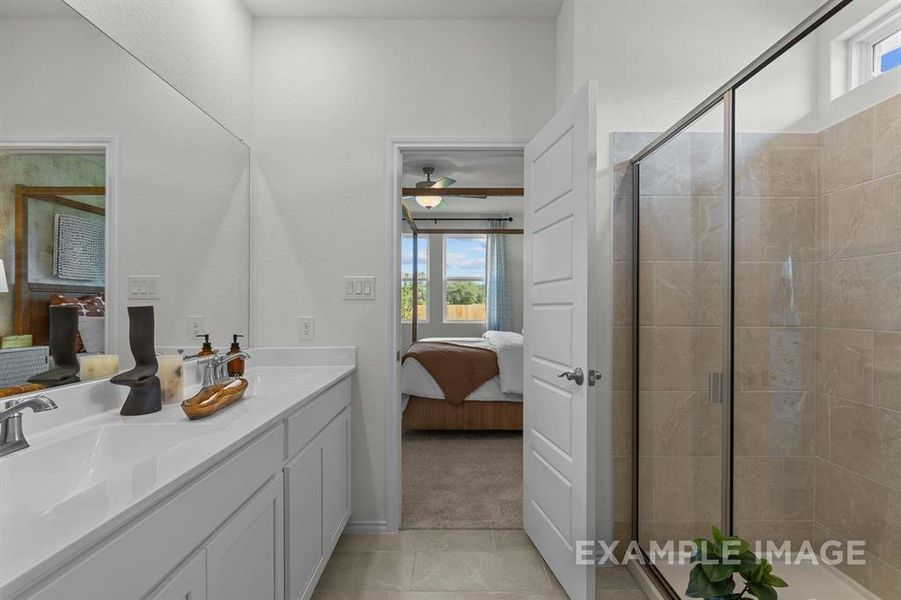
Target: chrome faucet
(214,367)
(12,439)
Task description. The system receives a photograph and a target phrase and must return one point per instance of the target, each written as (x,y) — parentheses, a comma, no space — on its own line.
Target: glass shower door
(682,277)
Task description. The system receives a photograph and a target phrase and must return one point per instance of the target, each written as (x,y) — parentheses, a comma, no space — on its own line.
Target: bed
(495,404)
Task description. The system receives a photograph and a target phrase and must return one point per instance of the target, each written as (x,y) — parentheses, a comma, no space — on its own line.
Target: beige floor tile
(615,578)
(365,571)
(473,540)
(369,542)
(620,595)
(479,571)
(557,595)
(511,539)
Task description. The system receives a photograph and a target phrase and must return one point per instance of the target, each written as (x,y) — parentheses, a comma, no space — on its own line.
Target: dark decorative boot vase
(63,332)
(145,396)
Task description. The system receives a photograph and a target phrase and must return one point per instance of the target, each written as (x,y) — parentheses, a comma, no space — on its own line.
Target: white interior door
(558,453)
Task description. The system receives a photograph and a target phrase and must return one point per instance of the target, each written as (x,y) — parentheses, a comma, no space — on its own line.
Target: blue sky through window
(406,256)
(890,60)
(465,257)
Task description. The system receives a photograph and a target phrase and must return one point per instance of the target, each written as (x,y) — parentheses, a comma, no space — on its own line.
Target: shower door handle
(715,387)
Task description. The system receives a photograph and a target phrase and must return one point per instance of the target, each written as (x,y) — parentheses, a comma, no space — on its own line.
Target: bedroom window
(875,50)
(406,284)
(464,278)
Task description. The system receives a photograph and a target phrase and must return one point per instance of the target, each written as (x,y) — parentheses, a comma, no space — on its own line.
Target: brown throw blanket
(458,370)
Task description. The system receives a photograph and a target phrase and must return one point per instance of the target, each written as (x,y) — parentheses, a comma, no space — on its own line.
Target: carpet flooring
(462,480)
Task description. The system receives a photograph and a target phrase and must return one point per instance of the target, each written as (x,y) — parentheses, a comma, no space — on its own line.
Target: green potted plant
(719,562)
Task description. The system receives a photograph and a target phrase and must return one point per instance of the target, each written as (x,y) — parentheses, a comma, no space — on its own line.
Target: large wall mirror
(115,191)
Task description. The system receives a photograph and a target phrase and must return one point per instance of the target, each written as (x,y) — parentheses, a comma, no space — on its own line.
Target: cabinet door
(303,496)
(335,479)
(188,582)
(245,560)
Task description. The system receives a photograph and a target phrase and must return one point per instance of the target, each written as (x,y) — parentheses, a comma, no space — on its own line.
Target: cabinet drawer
(303,425)
(188,583)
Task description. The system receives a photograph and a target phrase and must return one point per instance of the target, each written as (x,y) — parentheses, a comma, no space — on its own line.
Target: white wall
(327,95)
(654,60)
(214,34)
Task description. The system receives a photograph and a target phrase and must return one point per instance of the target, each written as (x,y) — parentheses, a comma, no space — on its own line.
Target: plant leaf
(717,535)
(774,581)
(763,591)
(700,586)
(717,572)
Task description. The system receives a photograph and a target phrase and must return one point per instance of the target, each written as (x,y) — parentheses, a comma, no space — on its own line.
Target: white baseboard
(366,527)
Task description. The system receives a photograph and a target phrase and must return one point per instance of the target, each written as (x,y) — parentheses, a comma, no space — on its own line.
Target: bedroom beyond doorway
(461,343)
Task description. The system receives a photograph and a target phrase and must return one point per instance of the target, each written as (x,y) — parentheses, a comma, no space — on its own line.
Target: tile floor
(451,565)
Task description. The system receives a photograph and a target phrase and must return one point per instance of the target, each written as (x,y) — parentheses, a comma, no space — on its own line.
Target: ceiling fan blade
(473,197)
(444,182)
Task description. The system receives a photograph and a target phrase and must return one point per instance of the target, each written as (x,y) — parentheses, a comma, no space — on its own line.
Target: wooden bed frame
(31,301)
(431,414)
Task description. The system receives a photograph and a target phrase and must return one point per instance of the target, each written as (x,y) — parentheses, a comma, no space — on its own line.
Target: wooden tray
(214,398)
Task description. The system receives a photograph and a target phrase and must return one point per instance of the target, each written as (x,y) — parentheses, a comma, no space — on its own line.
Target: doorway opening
(459,341)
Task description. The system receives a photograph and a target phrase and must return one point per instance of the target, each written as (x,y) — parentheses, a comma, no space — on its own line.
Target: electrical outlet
(194,327)
(307,329)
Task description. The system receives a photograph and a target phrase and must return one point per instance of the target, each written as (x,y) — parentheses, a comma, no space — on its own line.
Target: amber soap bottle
(236,367)
(207,348)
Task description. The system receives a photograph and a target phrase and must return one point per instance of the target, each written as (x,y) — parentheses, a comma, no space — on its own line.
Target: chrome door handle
(578,376)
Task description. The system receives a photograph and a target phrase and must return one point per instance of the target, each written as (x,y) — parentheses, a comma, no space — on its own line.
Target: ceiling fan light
(428,201)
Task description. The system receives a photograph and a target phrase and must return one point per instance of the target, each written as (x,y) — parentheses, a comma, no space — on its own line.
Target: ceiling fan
(430,202)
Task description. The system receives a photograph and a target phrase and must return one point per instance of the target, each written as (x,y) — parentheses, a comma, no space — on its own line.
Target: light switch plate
(307,329)
(144,287)
(357,287)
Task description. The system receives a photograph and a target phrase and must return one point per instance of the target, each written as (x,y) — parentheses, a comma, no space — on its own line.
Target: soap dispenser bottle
(207,348)
(236,366)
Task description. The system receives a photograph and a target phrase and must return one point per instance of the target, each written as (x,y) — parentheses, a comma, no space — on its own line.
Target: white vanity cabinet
(187,583)
(317,489)
(259,525)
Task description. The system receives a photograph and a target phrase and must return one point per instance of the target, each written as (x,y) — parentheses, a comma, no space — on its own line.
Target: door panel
(188,583)
(558,456)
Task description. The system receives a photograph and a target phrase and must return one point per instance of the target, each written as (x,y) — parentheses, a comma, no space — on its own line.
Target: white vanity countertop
(82,479)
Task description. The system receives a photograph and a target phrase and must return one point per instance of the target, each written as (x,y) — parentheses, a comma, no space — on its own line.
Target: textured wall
(327,95)
(215,34)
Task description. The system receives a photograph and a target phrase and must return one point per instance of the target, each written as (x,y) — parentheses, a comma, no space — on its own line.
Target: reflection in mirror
(115,191)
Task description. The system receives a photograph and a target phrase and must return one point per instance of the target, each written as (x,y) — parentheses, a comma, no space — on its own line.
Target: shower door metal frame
(725,95)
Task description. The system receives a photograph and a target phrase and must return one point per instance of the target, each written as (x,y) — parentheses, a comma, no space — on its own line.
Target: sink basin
(44,476)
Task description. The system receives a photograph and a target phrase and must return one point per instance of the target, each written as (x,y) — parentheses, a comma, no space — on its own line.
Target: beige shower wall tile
(887,369)
(687,489)
(823,247)
(866,219)
(887,133)
(867,440)
(689,164)
(662,532)
(884,579)
(622,423)
(774,359)
(683,293)
(860,293)
(846,153)
(775,294)
(679,424)
(622,293)
(781,164)
(774,423)
(844,363)
(775,229)
(622,488)
(795,532)
(679,358)
(773,488)
(822,426)
(622,359)
(681,228)
(857,508)
(622,228)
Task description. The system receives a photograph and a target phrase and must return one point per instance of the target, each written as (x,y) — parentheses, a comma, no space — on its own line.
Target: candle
(172,378)
(97,366)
